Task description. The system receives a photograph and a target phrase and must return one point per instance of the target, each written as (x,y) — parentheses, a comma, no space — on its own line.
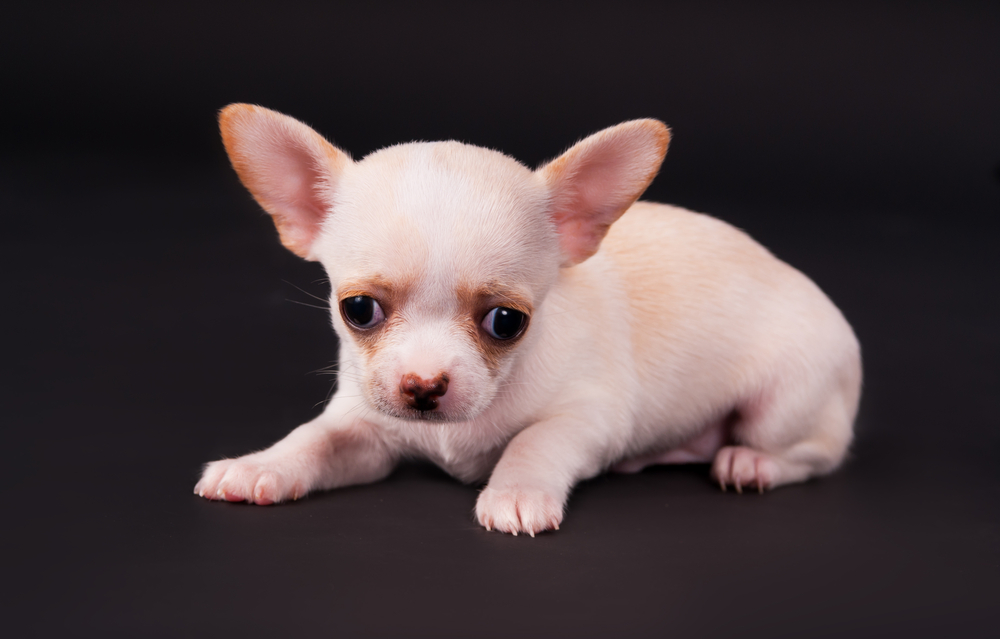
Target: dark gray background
(149,323)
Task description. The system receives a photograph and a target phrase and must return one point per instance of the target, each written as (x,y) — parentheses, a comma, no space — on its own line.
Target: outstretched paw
(248,478)
(518,511)
(742,467)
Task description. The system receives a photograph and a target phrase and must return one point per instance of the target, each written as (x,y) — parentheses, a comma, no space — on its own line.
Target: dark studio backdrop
(153,322)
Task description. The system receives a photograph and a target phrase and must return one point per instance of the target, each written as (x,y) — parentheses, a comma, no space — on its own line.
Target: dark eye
(504,323)
(362,311)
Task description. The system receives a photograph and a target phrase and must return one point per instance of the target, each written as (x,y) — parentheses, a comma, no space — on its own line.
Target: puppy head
(438,254)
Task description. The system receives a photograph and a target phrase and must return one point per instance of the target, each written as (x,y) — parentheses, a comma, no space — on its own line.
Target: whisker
(306,292)
(322,308)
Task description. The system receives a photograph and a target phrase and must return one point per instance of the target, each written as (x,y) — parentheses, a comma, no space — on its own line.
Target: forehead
(444,210)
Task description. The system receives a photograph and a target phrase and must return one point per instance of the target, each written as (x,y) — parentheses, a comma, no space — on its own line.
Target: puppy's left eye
(504,323)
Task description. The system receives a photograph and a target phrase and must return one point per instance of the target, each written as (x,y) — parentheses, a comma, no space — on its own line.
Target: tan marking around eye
(389,293)
(490,295)
(474,303)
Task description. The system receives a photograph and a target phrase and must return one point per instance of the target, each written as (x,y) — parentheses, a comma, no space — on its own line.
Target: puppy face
(438,255)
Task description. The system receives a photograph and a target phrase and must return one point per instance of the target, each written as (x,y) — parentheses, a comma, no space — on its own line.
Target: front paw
(250,478)
(518,509)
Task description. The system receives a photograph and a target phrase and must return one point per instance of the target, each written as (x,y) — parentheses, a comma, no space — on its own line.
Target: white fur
(680,339)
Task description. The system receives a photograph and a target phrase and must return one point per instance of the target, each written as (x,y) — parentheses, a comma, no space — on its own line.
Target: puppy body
(667,337)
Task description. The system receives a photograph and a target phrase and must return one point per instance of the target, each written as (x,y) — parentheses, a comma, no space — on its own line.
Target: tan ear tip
(229,113)
(231,109)
(651,126)
(663,135)
(659,131)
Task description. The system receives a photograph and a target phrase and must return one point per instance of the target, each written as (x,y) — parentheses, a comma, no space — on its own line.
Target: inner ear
(597,180)
(290,170)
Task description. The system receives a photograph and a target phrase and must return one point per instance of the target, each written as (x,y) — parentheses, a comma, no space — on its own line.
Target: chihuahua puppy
(536,328)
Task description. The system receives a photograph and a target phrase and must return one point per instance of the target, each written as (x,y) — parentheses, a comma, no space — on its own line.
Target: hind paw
(742,467)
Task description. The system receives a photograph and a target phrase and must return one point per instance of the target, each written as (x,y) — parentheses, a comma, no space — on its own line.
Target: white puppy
(492,320)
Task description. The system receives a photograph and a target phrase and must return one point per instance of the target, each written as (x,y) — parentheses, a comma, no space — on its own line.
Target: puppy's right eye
(361,311)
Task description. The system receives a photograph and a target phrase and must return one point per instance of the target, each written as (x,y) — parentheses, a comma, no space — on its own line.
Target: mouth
(411,414)
(423,415)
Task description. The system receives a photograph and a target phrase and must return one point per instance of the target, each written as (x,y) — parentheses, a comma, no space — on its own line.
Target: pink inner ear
(298,189)
(596,181)
(289,168)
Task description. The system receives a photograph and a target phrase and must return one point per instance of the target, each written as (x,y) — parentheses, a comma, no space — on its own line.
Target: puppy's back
(714,313)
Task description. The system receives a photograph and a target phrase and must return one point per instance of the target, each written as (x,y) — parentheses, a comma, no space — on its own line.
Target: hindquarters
(800,426)
(740,358)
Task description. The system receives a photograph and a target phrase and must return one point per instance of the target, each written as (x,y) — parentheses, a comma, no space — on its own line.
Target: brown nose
(420,393)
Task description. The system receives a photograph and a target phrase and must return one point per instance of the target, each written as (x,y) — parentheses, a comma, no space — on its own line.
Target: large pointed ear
(595,182)
(288,168)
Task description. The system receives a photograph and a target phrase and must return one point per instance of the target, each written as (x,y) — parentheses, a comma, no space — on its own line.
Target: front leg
(328,452)
(529,486)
